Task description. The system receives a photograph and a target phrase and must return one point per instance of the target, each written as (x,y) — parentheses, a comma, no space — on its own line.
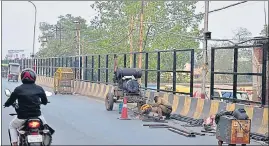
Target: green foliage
(109,32)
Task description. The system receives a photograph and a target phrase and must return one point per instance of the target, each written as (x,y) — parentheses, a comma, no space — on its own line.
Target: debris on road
(191,122)
(187,133)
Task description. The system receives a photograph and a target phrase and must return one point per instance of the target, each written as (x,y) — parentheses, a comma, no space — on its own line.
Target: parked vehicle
(13,71)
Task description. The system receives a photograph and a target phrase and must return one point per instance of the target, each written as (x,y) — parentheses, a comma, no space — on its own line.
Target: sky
(18,19)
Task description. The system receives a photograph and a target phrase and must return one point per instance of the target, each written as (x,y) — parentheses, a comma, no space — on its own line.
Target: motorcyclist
(162,107)
(28,95)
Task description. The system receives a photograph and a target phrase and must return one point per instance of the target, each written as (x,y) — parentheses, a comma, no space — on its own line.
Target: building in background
(15,54)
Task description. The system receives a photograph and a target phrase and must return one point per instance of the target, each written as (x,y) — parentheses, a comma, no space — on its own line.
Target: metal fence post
(55,66)
(212,73)
(235,71)
(42,66)
(99,66)
(134,62)
(62,62)
(38,66)
(46,66)
(264,62)
(92,68)
(23,63)
(86,68)
(146,69)
(174,71)
(124,60)
(59,62)
(80,67)
(75,65)
(71,62)
(158,70)
(191,73)
(107,68)
(66,61)
(52,67)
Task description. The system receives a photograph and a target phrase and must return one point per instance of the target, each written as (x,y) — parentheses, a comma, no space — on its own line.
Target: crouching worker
(162,107)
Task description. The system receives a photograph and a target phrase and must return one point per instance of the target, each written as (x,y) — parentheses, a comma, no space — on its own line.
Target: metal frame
(92,67)
(235,73)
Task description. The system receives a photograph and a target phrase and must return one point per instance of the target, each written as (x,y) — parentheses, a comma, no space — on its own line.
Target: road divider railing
(195,108)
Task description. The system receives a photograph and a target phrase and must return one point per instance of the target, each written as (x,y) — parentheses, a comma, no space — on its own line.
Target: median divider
(196,108)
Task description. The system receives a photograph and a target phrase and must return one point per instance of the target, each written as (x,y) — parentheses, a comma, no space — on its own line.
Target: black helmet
(28,76)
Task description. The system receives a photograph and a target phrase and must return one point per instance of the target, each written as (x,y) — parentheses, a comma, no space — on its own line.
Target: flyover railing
(258,53)
(158,67)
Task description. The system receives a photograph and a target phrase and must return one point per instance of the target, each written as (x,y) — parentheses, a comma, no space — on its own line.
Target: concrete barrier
(192,107)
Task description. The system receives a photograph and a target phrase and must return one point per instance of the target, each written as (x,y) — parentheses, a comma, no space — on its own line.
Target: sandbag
(121,72)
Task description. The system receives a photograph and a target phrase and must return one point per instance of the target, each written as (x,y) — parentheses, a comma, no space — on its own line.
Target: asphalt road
(81,120)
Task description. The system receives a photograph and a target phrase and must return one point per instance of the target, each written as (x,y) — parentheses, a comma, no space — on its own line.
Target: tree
(264,31)
(241,34)
(109,31)
(52,45)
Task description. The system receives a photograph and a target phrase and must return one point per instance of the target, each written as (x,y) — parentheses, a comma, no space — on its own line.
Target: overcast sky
(18,19)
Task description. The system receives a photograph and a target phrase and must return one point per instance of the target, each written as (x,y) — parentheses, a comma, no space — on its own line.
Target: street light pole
(33,53)
(204,71)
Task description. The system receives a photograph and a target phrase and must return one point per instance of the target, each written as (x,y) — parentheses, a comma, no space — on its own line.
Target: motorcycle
(32,132)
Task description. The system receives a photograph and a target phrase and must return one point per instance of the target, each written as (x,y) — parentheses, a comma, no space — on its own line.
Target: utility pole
(33,53)
(56,32)
(205,64)
(131,40)
(141,34)
(79,49)
(266,34)
(60,29)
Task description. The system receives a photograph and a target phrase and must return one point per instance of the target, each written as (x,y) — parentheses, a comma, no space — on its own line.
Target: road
(82,120)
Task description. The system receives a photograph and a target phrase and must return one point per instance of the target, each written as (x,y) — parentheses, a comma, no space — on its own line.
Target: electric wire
(198,15)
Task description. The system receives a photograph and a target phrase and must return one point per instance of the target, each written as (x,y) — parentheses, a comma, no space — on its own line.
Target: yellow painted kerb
(175,103)
(199,108)
(264,126)
(186,107)
(214,107)
(230,107)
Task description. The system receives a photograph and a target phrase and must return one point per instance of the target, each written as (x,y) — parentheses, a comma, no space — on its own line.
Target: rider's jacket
(28,96)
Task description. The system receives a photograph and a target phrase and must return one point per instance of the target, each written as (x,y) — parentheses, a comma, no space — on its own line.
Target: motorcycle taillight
(34,124)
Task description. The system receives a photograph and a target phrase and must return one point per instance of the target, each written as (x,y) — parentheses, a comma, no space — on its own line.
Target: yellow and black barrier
(196,108)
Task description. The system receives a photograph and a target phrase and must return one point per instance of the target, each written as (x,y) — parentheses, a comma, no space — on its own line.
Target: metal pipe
(34,33)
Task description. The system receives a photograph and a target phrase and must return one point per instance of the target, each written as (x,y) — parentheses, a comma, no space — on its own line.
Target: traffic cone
(124,113)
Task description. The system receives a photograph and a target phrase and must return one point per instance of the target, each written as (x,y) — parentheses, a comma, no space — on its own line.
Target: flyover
(83,120)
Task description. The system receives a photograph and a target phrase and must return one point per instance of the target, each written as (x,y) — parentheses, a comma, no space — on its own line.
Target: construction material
(191,122)
(259,137)
(175,130)
(155,125)
(181,133)
(155,120)
(158,126)
(205,131)
(147,118)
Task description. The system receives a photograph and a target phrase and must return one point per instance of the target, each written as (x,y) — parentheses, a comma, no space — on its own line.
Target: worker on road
(161,106)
